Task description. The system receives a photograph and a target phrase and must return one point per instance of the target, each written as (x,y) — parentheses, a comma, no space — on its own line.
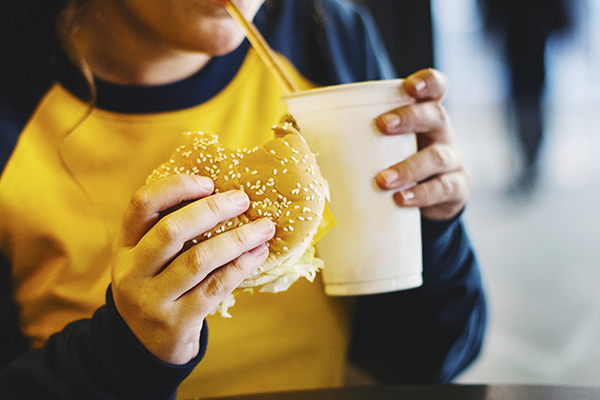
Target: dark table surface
(435,392)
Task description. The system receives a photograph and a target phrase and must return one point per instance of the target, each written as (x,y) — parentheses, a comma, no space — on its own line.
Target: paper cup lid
(348,95)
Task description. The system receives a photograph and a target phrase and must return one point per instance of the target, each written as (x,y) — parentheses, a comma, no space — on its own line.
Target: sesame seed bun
(281,179)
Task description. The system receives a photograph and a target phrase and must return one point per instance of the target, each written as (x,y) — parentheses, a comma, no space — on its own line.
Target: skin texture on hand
(164,293)
(443,181)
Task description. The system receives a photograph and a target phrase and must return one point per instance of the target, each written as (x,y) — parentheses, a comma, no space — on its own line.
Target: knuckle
(167,229)
(197,259)
(426,193)
(411,114)
(242,264)
(446,185)
(239,237)
(215,285)
(140,200)
(440,113)
(214,205)
(442,155)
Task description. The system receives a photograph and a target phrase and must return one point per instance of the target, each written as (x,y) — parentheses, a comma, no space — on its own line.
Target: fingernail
(390,176)
(419,84)
(238,197)
(263,225)
(407,195)
(391,121)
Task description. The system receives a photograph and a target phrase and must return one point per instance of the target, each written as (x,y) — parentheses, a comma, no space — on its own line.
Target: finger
(429,119)
(434,160)
(167,237)
(194,265)
(426,84)
(446,189)
(224,280)
(149,201)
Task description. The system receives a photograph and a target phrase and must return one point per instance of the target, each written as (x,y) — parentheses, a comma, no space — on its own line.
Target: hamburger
(282,180)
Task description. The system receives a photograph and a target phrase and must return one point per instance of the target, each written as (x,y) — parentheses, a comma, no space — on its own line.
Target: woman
(94,96)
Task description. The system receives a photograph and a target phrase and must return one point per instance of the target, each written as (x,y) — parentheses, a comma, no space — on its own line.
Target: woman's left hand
(442,179)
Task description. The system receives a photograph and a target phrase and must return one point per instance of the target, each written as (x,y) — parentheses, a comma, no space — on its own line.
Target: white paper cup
(376,245)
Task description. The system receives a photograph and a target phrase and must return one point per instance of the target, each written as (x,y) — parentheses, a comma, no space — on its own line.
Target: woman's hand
(442,179)
(164,293)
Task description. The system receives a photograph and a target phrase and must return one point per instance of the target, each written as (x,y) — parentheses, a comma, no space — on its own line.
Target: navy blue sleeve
(12,340)
(98,358)
(329,41)
(432,333)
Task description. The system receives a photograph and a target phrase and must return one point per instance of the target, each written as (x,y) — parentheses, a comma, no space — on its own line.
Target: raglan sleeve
(432,333)
(94,358)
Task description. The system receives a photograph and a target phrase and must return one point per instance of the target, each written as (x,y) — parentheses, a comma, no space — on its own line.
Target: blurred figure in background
(524,27)
(410,43)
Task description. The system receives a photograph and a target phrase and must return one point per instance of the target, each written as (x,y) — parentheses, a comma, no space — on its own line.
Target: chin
(226,48)
(223,43)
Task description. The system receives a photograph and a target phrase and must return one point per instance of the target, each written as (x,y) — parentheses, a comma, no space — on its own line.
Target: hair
(36,31)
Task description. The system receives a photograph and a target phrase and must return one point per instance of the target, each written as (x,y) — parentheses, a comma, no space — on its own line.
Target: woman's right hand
(164,294)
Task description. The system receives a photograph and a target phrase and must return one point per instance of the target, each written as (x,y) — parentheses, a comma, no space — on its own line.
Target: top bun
(284,184)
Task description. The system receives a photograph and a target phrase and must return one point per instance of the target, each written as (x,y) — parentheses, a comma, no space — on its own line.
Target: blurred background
(539,249)
(533,215)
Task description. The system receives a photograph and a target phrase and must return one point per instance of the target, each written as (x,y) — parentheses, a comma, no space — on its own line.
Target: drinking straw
(260,45)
